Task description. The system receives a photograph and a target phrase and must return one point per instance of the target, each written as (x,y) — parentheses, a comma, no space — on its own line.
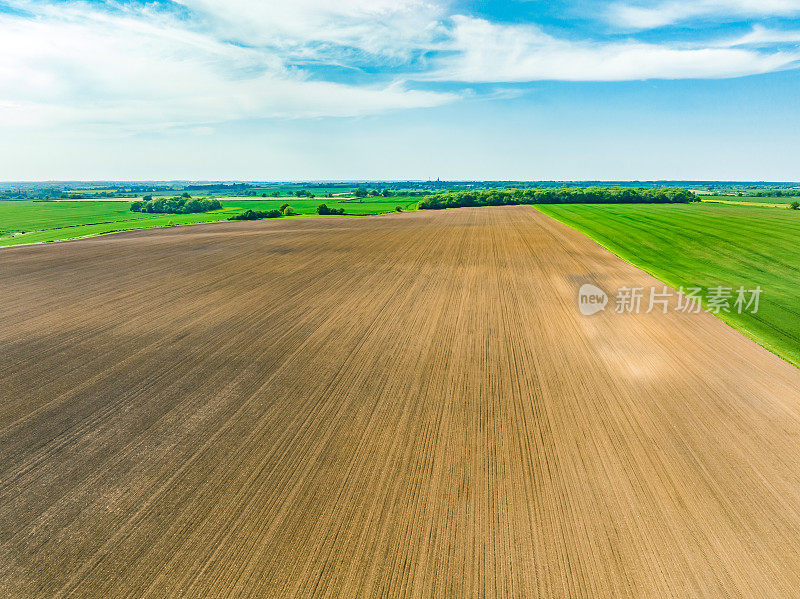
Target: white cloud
(74,64)
(486,52)
(383,27)
(670,12)
(141,67)
(762,36)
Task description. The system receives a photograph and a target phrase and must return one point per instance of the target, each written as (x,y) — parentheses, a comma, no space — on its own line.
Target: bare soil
(399,406)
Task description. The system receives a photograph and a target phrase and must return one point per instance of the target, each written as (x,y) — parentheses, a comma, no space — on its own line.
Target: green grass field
(767,200)
(706,245)
(24,222)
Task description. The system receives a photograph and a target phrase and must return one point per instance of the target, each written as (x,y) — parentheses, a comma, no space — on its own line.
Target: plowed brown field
(400,406)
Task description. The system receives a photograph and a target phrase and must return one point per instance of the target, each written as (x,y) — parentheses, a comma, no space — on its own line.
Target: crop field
(25,222)
(708,246)
(401,406)
(778,202)
(353,207)
(31,216)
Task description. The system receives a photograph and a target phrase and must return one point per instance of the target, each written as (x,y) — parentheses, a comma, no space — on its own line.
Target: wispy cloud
(650,15)
(391,28)
(191,64)
(760,36)
(77,64)
(486,52)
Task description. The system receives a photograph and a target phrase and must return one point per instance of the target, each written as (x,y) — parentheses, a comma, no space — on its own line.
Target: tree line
(285,210)
(776,193)
(179,205)
(567,195)
(257,214)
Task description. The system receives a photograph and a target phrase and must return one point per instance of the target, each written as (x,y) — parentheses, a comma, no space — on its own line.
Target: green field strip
(705,246)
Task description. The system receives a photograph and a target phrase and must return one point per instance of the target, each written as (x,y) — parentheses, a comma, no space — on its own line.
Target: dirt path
(402,406)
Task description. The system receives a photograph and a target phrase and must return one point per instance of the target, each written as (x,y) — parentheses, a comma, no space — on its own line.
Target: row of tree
(179,205)
(776,193)
(284,210)
(257,215)
(567,195)
(375,193)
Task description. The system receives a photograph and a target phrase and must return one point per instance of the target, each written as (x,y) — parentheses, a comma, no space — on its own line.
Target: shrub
(136,206)
(398,209)
(795,205)
(246,215)
(288,210)
(323,210)
(256,215)
(284,207)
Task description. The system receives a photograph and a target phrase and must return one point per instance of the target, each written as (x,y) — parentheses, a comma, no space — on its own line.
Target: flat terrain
(700,245)
(401,406)
(26,222)
(767,200)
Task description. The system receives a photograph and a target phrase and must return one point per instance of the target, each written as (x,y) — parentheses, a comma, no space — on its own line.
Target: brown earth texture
(399,406)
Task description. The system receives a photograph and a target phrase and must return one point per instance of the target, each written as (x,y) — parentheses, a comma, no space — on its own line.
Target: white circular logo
(591,300)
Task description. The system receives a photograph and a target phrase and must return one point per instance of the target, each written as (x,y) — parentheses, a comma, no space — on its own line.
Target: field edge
(622,255)
(5,246)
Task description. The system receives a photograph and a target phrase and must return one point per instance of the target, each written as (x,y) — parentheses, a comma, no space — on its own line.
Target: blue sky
(400,89)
